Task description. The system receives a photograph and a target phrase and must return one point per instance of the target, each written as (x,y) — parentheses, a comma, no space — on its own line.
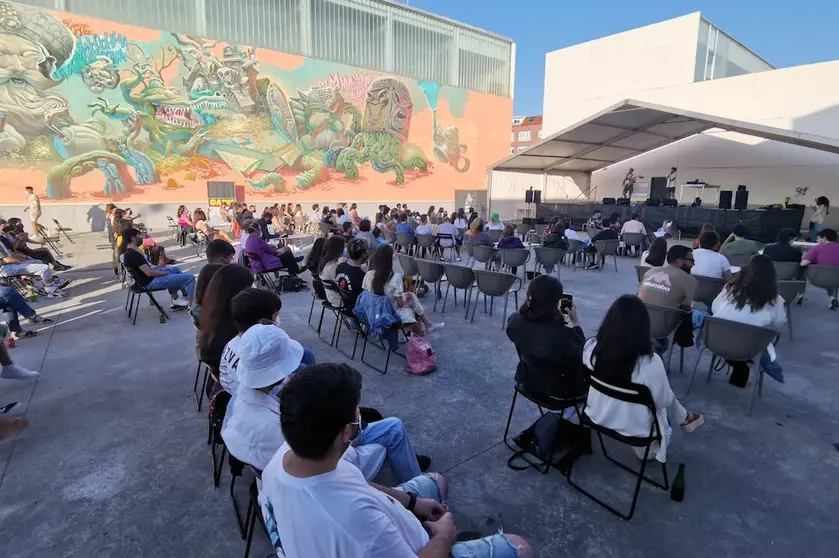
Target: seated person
(424,227)
(753,299)
(404,227)
(570,233)
(320,506)
(220,252)
(13,306)
(153,277)
(549,342)
(201,226)
(608,233)
(737,244)
(495,223)
(509,241)
(783,250)
(365,233)
(204,277)
(705,228)
(622,352)
(476,235)
(825,252)
(14,264)
(447,229)
(377,234)
(671,285)
(333,254)
(217,327)
(656,256)
(266,257)
(708,263)
(382,280)
(20,239)
(267,356)
(635,226)
(347,230)
(595,221)
(349,275)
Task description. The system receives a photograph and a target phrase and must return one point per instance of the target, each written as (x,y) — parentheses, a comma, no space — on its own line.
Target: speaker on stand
(725,199)
(741,199)
(532,196)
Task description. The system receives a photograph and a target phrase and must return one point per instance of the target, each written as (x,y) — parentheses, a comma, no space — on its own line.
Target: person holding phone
(549,340)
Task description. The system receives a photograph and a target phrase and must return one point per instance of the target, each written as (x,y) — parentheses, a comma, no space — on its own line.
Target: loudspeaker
(528,196)
(622,201)
(608,201)
(741,200)
(658,187)
(725,199)
(654,202)
(669,203)
(741,188)
(533,196)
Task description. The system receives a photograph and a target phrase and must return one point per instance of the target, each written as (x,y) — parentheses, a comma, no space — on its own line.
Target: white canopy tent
(567,158)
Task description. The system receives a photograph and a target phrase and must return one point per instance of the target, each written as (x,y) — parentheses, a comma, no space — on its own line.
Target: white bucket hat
(267,355)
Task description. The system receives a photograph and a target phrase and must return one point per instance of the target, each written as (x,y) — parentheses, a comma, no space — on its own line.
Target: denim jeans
(13,304)
(391,434)
(817,228)
(773,368)
(308,357)
(176,281)
(29,267)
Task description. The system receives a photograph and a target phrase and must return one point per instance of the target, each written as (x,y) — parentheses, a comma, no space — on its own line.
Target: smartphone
(566,301)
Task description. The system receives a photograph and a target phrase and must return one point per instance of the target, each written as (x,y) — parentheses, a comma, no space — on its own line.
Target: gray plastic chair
(428,242)
(823,276)
(548,257)
(607,248)
(789,291)
(495,235)
(707,289)
(515,257)
(493,284)
(663,323)
(432,273)
(787,271)
(459,277)
(632,239)
(574,247)
(408,265)
(325,228)
(483,254)
(406,241)
(390,236)
(540,229)
(739,261)
(533,237)
(730,340)
(641,270)
(467,251)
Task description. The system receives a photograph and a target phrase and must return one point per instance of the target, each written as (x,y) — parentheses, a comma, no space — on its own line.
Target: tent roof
(631,128)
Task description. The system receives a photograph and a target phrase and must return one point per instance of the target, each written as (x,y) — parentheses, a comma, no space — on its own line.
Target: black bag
(550,432)
(291,283)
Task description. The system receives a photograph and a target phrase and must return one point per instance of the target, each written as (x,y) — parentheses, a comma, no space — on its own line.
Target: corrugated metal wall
(372,34)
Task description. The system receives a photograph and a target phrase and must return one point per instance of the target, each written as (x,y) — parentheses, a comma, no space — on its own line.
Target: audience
(216,326)
(154,277)
(424,227)
(220,251)
(656,256)
(19,240)
(349,275)
(431,217)
(403,226)
(381,280)
(365,233)
(670,285)
(738,245)
(12,305)
(200,225)
(634,225)
(708,263)
(324,507)
(621,355)
(333,252)
(204,277)
(753,299)
(596,220)
(476,235)
(447,236)
(707,227)
(509,241)
(14,264)
(377,234)
(607,233)
(783,250)
(495,223)
(354,216)
(264,257)
(826,252)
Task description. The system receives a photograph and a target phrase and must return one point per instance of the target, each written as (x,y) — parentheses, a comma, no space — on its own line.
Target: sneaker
(435,327)
(61,267)
(60,284)
(689,427)
(54,292)
(458,259)
(178,304)
(17,372)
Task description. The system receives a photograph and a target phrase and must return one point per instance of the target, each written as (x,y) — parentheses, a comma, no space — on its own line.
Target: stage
(763,224)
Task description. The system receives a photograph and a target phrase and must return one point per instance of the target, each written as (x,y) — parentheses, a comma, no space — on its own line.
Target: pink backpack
(421,357)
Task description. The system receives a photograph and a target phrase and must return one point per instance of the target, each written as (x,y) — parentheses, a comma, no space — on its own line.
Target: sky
(785,33)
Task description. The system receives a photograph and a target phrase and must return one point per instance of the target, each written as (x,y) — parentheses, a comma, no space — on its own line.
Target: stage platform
(763,224)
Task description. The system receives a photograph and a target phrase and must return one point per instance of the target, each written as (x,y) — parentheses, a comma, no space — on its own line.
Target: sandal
(692,422)
(36,319)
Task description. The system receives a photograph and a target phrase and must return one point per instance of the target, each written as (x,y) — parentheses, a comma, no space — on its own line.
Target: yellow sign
(218,202)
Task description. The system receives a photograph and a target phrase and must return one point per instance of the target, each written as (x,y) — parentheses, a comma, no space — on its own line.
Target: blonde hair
(476,226)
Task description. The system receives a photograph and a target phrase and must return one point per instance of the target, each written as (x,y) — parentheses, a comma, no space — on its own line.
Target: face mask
(361,425)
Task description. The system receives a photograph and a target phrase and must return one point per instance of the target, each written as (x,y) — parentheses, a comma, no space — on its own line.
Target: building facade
(297,100)
(526,131)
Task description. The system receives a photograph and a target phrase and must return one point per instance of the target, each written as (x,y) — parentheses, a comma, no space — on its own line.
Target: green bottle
(677,493)
(163,318)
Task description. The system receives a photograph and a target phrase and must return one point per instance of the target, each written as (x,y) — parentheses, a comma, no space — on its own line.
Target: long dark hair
(332,250)
(216,321)
(658,252)
(204,277)
(822,200)
(543,296)
(128,233)
(314,254)
(382,264)
(756,285)
(623,338)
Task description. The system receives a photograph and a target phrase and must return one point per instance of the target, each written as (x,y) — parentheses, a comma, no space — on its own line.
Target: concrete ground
(115,462)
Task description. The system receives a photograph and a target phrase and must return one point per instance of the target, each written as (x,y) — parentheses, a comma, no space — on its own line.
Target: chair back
(483,253)
(171,220)
(408,264)
(591,231)
(641,270)
(493,283)
(738,260)
(789,290)
(533,238)
(633,239)
(405,239)
(787,271)
(734,340)
(425,240)
(824,276)
(664,320)
(325,228)
(390,236)
(431,272)
(459,277)
(707,289)
(548,256)
(514,257)
(636,394)
(318,290)
(332,286)
(575,245)
(494,235)
(540,229)
(607,247)
(467,249)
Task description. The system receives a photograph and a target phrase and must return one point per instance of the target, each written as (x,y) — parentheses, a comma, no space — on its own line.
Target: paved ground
(115,463)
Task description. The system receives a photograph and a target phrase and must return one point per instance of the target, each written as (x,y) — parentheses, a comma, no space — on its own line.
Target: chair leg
(446,297)
(203,386)
(758,389)
(312,310)
(436,297)
(250,520)
(504,318)
(510,419)
(195,393)
(692,376)
(467,299)
(475,307)
(789,322)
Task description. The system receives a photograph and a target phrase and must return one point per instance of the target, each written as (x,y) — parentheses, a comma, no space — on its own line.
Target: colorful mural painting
(94,110)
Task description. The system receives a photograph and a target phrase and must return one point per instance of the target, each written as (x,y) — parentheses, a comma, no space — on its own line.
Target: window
(539,134)
(513,136)
(524,136)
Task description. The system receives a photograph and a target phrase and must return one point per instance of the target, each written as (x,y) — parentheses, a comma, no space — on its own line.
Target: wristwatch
(412,501)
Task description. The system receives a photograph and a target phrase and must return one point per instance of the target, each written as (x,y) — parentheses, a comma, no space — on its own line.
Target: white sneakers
(178,304)
(435,327)
(17,372)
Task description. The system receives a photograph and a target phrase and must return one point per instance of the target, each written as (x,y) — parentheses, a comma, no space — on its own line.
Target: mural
(93,110)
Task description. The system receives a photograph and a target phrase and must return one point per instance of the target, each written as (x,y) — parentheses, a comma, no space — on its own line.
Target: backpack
(421,357)
(291,283)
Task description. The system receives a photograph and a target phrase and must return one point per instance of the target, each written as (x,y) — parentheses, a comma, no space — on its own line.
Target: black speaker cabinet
(669,203)
(622,201)
(741,200)
(741,188)
(528,196)
(725,199)
(658,187)
(654,202)
(533,196)
(608,201)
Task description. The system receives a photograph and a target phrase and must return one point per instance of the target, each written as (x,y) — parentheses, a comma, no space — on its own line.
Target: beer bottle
(677,492)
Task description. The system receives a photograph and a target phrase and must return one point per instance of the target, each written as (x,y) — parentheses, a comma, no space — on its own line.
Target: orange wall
(107,112)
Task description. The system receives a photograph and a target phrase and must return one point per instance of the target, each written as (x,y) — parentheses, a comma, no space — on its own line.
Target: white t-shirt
(499,226)
(708,263)
(338,515)
(343,219)
(447,228)
(228,365)
(571,234)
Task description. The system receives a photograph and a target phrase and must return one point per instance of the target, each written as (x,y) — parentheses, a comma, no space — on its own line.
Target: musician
(671,184)
(629,183)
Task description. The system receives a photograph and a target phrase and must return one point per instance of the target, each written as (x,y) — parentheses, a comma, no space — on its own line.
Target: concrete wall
(507,190)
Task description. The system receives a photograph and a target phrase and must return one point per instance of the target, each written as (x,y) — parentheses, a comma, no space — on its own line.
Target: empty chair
(707,289)
(663,323)
(548,257)
(432,273)
(459,277)
(607,248)
(426,242)
(494,235)
(493,284)
(729,340)
(787,271)
(641,270)
(483,254)
(789,291)
(514,257)
(738,260)
(406,241)
(574,247)
(408,265)
(174,229)
(591,231)
(533,237)
(632,239)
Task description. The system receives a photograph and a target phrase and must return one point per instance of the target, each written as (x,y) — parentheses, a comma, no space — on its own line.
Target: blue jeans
(496,546)
(13,304)
(817,228)
(175,282)
(774,369)
(391,434)
(308,357)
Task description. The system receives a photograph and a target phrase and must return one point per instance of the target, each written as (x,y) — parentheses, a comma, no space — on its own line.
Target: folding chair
(254,512)
(388,340)
(135,294)
(639,395)
(329,286)
(318,293)
(432,273)
(264,278)
(607,248)
(51,241)
(215,418)
(61,230)
(236,470)
(174,229)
